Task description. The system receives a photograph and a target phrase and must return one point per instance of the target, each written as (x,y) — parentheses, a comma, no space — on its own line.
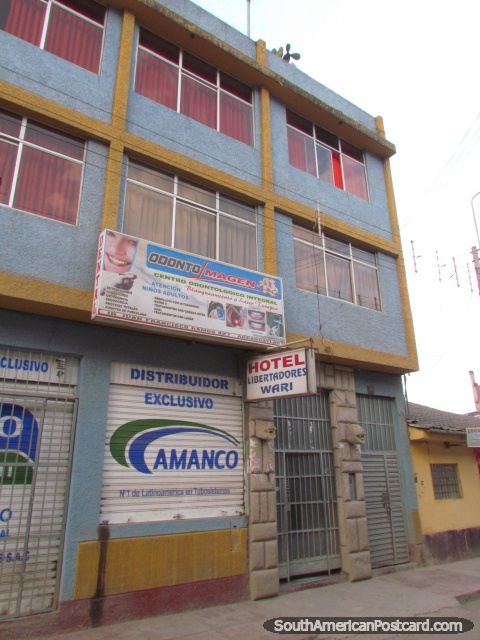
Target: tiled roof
(441,421)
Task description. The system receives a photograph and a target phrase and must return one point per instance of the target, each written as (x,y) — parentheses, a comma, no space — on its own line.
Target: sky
(415,63)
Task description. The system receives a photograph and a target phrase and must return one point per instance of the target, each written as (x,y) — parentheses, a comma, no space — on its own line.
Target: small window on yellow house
(446,482)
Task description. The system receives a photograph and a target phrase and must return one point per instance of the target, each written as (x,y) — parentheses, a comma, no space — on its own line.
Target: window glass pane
(72,38)
(337,170)
(195,231)
(365,256)
(159,46)
(299,123)
(24,19)
(156,79)
(150,176)
(199,68)
(338,278)
(301,151)
(355,179)
(352,151)
(366,286)
(88,8)
(238,243)
(196,193)
(236,119)
(309,268)
(8,156)
(237,208)
(324,160)
(337,245)
(306,234)
(236,87)
(326,137)
(55,141)
(199,102)
(10,123)
(48,186)
(148,214)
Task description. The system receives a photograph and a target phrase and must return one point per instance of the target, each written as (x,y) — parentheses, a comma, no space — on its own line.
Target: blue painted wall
(28,67)
(341,321)
(372,215)
(97,347)
(53,251)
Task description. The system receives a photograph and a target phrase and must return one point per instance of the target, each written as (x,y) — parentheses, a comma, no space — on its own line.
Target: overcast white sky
(414,62)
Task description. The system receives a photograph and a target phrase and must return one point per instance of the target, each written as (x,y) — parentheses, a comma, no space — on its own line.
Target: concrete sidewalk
(446,590)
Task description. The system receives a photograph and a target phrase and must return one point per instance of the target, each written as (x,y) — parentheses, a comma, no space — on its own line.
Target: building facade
(137,478)
(446,467)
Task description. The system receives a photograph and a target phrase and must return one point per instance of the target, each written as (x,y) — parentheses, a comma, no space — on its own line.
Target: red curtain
(199,102)
(25,19)
(8,155)
(48,186)
(236,119)
(74,39)
(337,170)
(156,79)
(355,181)
(301,151)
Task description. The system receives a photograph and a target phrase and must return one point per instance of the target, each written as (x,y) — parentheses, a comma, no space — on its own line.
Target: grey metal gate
(381,477)
(36,429)
(308,540)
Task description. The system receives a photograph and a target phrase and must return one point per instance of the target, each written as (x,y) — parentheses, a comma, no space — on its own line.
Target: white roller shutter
(174,446)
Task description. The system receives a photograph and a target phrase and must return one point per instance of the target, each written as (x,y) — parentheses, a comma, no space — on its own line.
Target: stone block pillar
(352,514)
(262,538)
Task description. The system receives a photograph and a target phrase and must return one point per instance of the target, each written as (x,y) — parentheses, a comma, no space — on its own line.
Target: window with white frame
(175,212)
(42,168)
(178,80)
(70,29)
(322,154)
(446,483)
(336,268)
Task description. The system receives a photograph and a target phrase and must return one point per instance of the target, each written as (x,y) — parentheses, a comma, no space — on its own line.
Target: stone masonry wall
(352,516)
(262,538)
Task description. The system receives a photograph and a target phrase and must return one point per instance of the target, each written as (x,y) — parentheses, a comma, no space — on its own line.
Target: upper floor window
(336,268)
(325,156)
(70,29)
(173,77)
(177,213)
(41,168)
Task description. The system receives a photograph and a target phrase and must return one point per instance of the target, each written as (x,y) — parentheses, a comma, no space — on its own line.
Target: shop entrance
(308,540)
(35,443)
(381,477)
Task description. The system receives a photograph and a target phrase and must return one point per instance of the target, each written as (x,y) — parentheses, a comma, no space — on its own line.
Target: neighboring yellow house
(447,477)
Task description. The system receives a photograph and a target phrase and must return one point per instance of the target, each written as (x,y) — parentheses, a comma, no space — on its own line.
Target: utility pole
(476,262)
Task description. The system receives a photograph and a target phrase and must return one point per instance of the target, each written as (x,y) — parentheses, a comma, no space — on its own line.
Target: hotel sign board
(473,436)
(288,373)
(145,285)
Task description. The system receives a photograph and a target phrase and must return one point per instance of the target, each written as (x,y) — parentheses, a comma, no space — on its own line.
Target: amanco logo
(18,444)
(128,446)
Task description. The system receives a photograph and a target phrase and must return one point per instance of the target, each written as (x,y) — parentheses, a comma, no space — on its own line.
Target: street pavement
(446,590)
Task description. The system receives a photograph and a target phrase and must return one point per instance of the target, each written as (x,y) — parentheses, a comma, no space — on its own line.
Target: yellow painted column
(402,277)
(269,236)
(119,119)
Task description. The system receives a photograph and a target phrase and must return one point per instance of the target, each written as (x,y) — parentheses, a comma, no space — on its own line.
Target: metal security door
(36,429)
(306,497)
(381,477)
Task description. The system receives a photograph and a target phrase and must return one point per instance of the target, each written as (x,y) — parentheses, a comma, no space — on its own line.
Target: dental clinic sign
(290,373)
(169,291)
